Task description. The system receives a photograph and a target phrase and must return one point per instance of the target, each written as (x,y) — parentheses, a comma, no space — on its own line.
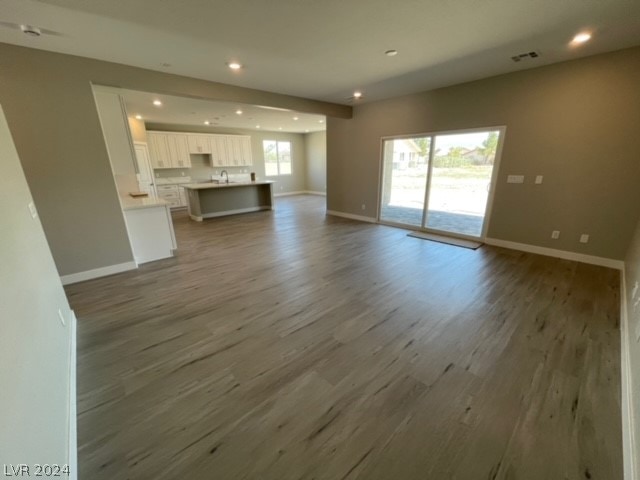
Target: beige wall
(138,131)
(34,345)
(632,277)
(200,163)
(50,108)
(316,148)
(576,123)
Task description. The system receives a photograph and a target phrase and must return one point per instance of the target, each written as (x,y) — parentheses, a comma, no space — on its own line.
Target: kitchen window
(277,158)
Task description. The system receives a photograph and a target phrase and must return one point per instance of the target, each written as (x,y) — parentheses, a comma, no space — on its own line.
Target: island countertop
(205,185)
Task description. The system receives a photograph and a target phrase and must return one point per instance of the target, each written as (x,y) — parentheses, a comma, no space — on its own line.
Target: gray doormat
(458,242)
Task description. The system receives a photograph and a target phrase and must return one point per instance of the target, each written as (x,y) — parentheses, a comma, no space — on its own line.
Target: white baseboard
(97,273)
(350,216)
(73,409)
(287,194)
(300,192)
(629,449)
(551,252)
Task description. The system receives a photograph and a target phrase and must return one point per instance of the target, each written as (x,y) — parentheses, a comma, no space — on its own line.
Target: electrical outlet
(364,206)
(32,210)
(584,238)
(182,173)
(515,179)
(538,179)
(62,320)
(555,234)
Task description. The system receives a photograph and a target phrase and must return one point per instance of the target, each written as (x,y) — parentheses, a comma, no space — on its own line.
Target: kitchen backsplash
(200,170)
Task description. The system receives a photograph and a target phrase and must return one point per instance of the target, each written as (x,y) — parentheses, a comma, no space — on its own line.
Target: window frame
(264,156)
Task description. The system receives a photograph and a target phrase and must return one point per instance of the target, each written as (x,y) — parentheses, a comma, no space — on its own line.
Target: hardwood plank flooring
(289,345)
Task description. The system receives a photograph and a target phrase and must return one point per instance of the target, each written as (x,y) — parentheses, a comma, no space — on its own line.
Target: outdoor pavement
(437,220)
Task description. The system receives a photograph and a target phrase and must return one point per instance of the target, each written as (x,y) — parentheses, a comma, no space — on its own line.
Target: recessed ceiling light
(320,121)
(581,38)
(357,94)
(391,53)
(295,118)
(239,112)
(307,130)
(138,117)
(234,65)
(257,126)
(207,122)
(279,128)
(157,103)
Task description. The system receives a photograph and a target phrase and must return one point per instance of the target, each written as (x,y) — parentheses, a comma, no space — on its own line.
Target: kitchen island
(210,199)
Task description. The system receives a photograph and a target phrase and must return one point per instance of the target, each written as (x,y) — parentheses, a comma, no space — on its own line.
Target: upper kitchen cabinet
(219,151)
(230,150)
(239,150)
(179,150)
(199,143)
(168,150)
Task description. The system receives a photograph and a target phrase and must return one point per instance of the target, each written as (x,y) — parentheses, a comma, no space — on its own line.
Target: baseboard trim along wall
(301,192)
(73,408)
(97,273)
(287,194)
(551,252)
(629,448)
(350,216)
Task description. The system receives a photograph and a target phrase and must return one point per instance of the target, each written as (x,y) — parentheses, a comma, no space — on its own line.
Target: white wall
(34,345)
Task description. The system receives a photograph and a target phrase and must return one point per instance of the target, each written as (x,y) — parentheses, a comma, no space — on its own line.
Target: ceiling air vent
(525,56)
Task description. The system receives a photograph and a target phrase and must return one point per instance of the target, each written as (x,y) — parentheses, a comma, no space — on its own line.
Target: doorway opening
(440,182)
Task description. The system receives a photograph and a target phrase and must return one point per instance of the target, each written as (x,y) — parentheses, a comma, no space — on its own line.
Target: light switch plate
(584,238)
(32,209)
(515,179)
(538,179)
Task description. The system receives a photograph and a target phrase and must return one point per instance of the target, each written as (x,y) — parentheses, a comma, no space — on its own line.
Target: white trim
(629,448)
(97,273)
(311,192)
(551,252)
(199,218)
(73,409)
(286,194)
(350,216)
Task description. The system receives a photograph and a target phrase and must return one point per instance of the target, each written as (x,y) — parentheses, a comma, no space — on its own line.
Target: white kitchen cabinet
(245,145)
(219,151)
(230,150)
(168,150)
(158,150)
(235,151)
(179,150)
(199,144)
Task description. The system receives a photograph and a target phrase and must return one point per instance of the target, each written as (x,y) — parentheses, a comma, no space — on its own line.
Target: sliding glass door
(404,181)
(440,182)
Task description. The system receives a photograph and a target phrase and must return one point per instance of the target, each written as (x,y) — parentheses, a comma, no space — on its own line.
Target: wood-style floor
(289,345)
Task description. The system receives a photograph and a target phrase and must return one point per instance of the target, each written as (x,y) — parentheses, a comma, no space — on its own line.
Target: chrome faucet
(224,172)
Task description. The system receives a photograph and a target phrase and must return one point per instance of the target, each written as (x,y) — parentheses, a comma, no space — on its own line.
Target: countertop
(130,203)
(206,185)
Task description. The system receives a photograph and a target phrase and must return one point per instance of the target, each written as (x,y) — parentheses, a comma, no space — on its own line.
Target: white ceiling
(189,111)
(326,49)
